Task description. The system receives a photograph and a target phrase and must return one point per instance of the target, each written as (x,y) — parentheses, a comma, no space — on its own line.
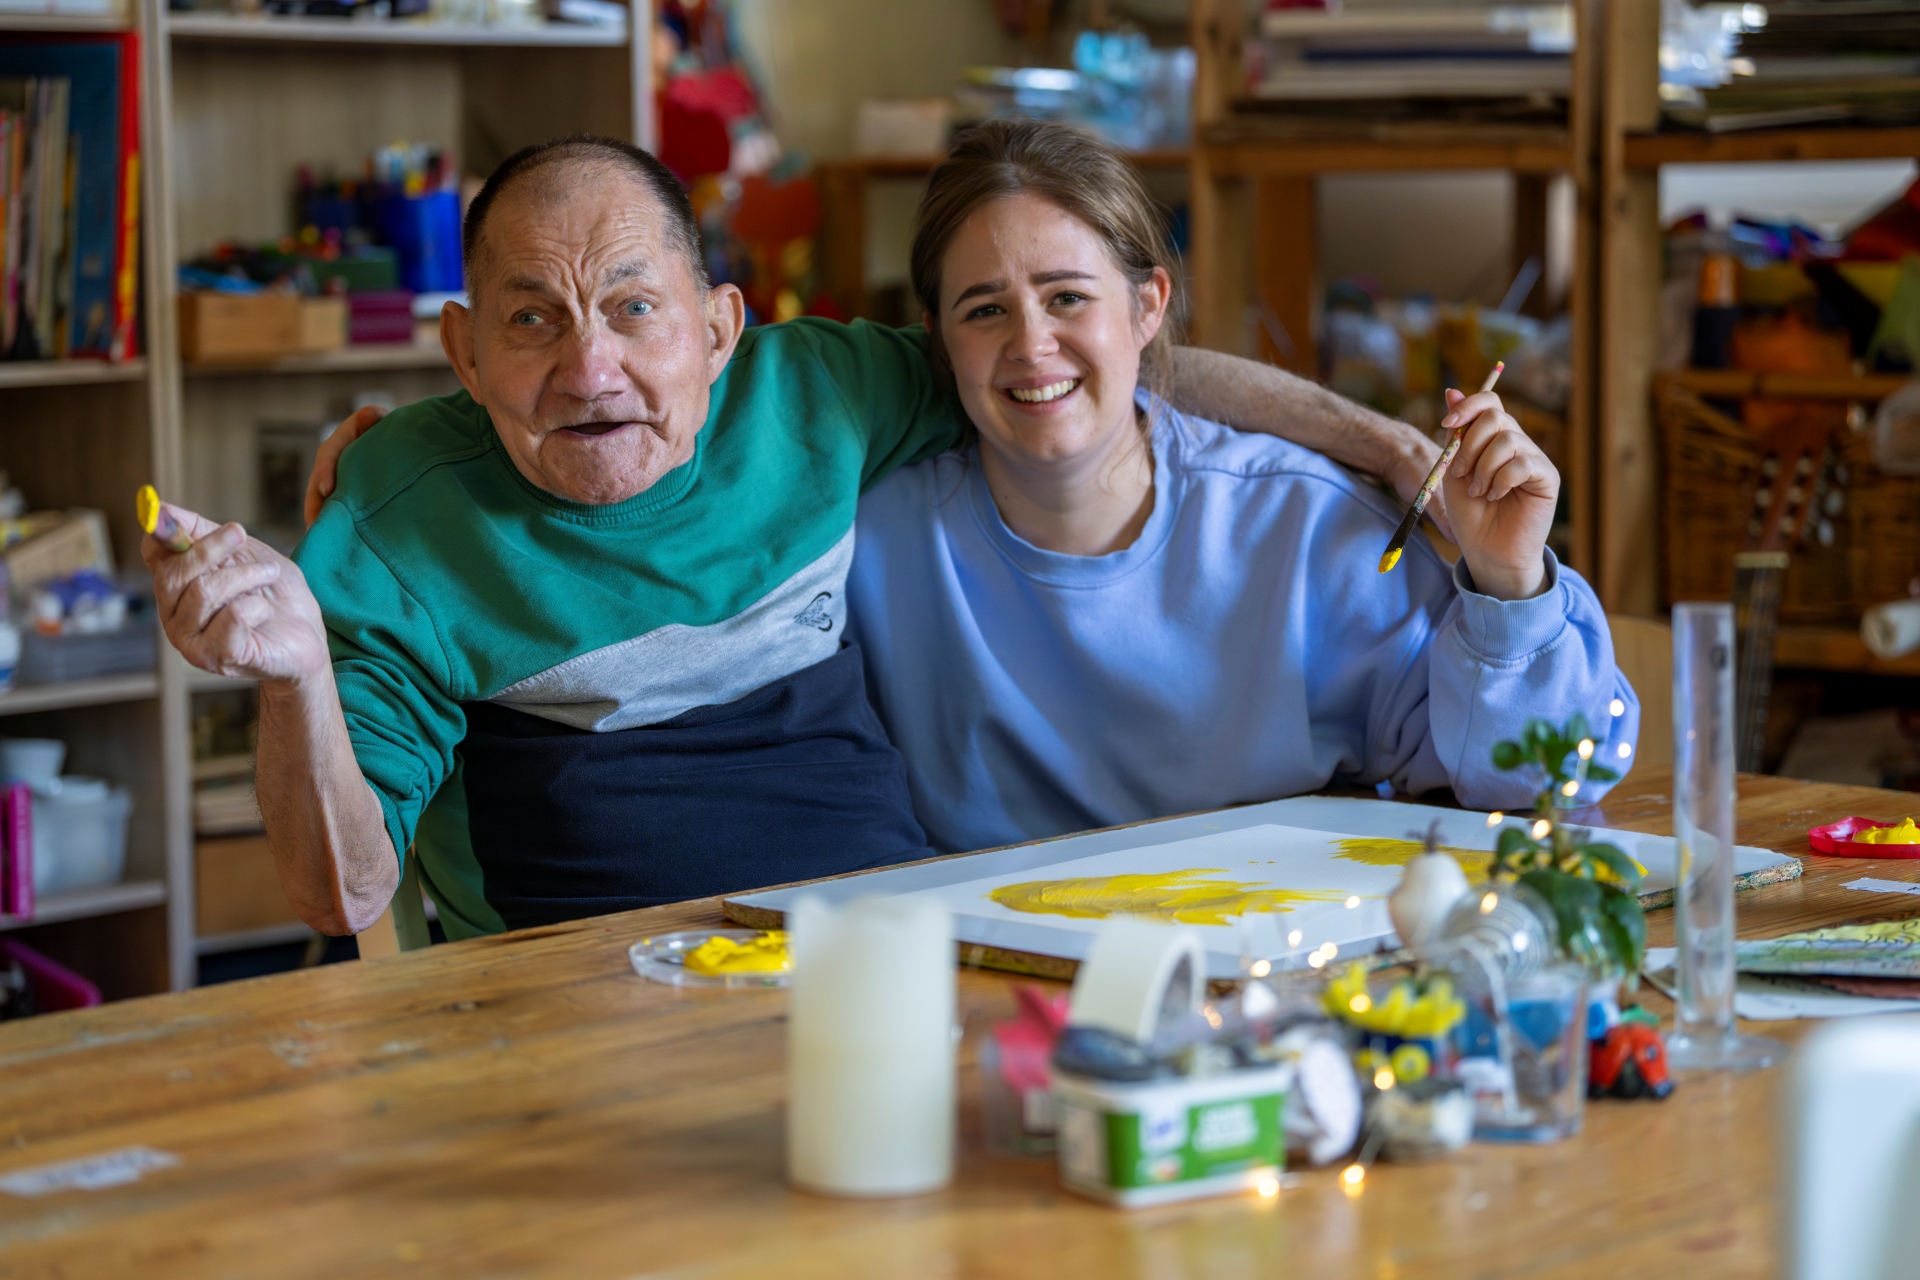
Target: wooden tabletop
(525,1106)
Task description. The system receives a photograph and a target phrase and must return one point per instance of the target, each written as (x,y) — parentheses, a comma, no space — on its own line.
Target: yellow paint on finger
(1180,897)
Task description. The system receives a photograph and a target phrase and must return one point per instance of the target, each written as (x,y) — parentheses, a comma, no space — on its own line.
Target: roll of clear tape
(1140,976)
(1892,630)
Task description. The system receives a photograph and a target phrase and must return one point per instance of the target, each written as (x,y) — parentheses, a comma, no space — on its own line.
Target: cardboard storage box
(323,324)
(238,328)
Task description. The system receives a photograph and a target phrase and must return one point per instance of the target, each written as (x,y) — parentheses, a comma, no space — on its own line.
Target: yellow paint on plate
(1905,833)
(1181,897)
(717,956)
(1381,851)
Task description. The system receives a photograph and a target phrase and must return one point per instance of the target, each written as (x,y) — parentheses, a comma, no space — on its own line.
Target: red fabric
(1890,234)
(772,215)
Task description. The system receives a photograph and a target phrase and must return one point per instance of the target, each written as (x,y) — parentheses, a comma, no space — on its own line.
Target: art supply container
(79,835)
(1165,1140)
(1703,820)
(870,1109)
(426,231)
(1540,1092)
(34,761)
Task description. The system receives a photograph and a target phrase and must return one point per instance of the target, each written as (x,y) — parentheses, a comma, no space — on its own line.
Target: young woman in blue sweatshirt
(1101,610)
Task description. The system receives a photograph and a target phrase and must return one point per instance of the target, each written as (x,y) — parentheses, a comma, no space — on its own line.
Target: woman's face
(1043,332)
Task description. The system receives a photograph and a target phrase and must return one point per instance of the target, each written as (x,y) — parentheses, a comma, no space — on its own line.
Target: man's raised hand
(234,606)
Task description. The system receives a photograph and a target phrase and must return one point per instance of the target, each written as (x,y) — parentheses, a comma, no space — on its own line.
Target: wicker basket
(1712,467)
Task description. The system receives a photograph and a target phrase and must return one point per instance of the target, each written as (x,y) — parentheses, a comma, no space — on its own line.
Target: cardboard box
(231,328)
(79,541)
(323,324)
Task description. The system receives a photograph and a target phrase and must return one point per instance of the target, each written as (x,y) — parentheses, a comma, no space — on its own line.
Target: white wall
(1830,195)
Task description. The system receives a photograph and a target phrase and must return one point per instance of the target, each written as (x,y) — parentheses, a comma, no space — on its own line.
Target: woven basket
(1712,467)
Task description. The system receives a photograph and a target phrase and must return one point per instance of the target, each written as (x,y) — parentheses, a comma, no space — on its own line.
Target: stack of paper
(1456,51)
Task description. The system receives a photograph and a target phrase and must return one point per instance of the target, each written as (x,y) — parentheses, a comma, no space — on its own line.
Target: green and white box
(1165,1140)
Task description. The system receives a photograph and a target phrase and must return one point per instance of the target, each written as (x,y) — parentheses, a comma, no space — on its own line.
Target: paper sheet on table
(1759,998)
(1285,844)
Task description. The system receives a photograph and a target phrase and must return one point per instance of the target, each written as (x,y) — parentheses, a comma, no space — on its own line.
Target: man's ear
(726,315)
(456,339)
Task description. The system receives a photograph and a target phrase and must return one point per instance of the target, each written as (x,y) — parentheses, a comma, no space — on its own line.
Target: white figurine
(1429,886)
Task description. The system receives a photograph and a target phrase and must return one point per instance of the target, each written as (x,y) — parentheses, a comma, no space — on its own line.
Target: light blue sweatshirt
(1244,648)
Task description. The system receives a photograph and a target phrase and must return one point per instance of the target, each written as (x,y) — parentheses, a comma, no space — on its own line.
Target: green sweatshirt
(446,578)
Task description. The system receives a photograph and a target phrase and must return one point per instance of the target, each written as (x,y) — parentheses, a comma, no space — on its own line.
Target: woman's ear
(1156,295)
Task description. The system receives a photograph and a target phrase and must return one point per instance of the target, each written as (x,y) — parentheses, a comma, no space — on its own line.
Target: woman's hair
(1085,178)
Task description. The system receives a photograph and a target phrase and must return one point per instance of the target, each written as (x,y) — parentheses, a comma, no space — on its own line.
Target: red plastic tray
(1836,839)
(58,986)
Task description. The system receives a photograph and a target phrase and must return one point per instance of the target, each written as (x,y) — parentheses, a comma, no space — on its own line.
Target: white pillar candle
(870,1052)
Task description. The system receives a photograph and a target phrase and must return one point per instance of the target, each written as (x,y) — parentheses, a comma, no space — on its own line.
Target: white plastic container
(79,835)
(34,761)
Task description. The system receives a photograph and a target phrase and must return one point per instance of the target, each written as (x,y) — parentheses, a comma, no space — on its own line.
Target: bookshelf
(1252,189)
(1632,148)
(229,107)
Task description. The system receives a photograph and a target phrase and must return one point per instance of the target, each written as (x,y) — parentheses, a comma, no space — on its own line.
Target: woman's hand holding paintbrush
(1500,493)
(229,603)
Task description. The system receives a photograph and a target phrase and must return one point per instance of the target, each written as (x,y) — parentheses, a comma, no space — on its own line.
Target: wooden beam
(843,235)
(1285,262)
(1530,237)
(1279,159)
(1651,150)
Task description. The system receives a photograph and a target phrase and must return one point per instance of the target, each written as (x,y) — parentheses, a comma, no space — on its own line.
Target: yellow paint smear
(1181,897)
(1389,560)
(1882,931)
(717,956)
(1905,833)
(1379,851)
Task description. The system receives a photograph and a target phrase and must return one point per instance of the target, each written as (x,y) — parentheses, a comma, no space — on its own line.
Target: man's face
(589,341)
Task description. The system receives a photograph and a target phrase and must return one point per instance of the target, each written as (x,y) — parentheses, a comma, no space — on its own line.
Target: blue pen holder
(426,231)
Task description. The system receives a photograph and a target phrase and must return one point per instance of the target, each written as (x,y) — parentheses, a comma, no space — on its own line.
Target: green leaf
(1600,773)
(1576,730)
(1535,737)
(1613,860)
(1507,755)
(1575,903)
(1624,913)
(1516,840)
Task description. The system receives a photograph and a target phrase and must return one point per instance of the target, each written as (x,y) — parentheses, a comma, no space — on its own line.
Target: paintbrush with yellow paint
(158,521)
(1420,500)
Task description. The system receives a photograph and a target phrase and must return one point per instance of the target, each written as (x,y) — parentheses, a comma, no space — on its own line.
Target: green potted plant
(1591,888)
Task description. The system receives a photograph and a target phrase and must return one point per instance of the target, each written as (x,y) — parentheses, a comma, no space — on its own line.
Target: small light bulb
(1268,1188)
(1626,749)
(1261,968)
(1330,949)
(1569,789)
(1383,1079)
(1495,818)
(1353,902)
(1293,939)
(1519,942)
(1353,1175)
(1541,828)
(1360,1003)
(1316,961)
(1488,903)
(1616,708)
(1586,748)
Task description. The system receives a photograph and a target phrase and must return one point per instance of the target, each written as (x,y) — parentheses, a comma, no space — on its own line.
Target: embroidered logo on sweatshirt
(815,615)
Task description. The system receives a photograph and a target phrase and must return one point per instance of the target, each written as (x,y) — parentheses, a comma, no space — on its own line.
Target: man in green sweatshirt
(575,633)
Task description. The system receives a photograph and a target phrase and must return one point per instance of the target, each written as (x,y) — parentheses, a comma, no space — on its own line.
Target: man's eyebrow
(1044,277)
(624,271)
(527,284)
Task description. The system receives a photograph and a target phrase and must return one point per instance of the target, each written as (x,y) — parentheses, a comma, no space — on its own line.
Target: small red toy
(1631,1062)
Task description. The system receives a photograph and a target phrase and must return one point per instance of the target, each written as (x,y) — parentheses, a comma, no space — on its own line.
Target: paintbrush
(159,522)
(1420,500)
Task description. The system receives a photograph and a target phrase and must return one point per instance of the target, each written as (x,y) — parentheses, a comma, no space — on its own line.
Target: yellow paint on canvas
(1379,851)
(1181,897)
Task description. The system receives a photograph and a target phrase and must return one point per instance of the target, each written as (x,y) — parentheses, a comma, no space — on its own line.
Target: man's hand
(326,460)
(234,606)
(1501,491)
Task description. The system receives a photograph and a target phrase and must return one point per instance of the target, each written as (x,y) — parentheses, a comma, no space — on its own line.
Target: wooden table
(524,1106)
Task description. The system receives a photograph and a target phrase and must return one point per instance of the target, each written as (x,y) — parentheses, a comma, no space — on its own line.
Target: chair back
(1643,650)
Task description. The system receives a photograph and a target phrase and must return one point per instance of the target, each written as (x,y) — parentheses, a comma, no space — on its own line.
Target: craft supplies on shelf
(48,986)
(1474,51)
(871,1047)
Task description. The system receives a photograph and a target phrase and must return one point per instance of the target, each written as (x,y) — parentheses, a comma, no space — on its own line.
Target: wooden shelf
(214,26)
(273,935)
(59,23)
(199,681)
(62,373)
(22,699)
(1835,649)
(919,166)
(222,767)
(128,895)
(345,360)
(1651,150)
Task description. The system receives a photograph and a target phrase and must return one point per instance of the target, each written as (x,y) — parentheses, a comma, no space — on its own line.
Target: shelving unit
(230,107)
(1253,197)
(1632,150)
